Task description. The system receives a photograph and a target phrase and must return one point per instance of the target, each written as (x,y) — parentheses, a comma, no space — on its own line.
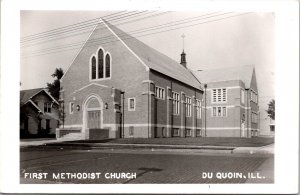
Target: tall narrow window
(188,106)
(159,92)
(131,104)
(93,72)
(219,111)
(100,64)
(224,111)
(107,65)
(198,107)
(71,107)
(176,103)
(214,111)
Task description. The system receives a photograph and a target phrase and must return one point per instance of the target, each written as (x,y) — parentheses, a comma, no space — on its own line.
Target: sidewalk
(269,149)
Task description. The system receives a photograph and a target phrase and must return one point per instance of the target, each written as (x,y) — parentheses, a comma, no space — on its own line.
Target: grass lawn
(198,141)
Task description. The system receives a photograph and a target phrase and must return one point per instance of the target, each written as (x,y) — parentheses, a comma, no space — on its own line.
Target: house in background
(231,99)
(39,115)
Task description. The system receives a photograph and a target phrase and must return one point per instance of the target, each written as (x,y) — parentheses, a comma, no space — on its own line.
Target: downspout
(123,114)
(195,110)
(148,108)
(185,108)
(205,86)
(172,110)
(248,114)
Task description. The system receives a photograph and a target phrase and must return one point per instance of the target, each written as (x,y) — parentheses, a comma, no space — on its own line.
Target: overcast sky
(242,40)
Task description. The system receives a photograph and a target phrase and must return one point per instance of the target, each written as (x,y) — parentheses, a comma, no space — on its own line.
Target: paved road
(143,166)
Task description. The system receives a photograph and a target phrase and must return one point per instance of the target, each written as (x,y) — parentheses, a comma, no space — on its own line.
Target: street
(40,165)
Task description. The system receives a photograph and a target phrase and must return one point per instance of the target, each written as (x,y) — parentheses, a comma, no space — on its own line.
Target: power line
(61,28)
(126,22)
(77,28)
(129,37)
(138,31)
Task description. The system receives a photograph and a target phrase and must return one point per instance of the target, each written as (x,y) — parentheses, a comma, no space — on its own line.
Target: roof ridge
(144,44)
(155,59)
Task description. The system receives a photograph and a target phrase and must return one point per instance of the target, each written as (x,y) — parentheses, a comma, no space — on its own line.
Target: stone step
(72,136)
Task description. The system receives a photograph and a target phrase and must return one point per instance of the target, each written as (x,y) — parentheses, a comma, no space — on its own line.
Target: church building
(118,87)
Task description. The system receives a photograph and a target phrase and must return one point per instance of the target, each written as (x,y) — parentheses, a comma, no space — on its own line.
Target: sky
(246,39)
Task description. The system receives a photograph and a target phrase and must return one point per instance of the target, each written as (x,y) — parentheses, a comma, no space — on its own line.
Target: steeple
(183,58)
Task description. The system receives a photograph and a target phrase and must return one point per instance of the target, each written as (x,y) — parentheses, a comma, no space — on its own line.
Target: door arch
(92,112)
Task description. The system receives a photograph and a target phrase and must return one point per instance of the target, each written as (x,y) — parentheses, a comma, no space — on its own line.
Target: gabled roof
(34,105)
(26,95)
(242,73)
(156,60)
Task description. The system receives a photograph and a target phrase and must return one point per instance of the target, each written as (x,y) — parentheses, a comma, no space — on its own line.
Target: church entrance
(93,118)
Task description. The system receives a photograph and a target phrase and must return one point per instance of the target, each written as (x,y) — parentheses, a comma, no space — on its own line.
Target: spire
(183,58)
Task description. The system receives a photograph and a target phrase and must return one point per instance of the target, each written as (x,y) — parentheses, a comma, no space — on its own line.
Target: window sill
(103,79)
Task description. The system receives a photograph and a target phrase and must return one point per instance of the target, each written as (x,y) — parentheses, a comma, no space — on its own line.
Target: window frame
(198,109)
(105,53)
(219,95)
(176,103)
(103,63)
(47,107)
(131,131)
(91,68)
(200,133)
(158,95)
(134,104)
(110,68)
(71,107)
(188,106)
(215,111)
(188,134)
(175,130)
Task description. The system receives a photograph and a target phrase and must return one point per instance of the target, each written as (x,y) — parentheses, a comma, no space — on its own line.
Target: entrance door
(94,119)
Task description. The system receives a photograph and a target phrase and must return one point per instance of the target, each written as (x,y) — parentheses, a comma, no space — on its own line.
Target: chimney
(183,59)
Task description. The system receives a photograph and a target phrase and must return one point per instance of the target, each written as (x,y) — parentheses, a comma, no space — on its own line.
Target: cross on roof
(183,36)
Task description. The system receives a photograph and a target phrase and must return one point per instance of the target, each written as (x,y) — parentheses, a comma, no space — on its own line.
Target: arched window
(93,63)
(107,65)
(100,64)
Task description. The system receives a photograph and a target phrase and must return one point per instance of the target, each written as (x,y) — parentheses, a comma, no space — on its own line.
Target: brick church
(122,88)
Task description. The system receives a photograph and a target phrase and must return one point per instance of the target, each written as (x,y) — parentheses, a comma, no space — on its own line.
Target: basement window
(188,132)
(131,130)
(176,132)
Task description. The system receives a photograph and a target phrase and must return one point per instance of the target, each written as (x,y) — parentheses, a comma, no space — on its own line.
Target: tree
(54,87)
(271,109)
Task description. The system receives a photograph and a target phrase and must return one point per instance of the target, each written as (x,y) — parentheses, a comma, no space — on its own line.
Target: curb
(201,149)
